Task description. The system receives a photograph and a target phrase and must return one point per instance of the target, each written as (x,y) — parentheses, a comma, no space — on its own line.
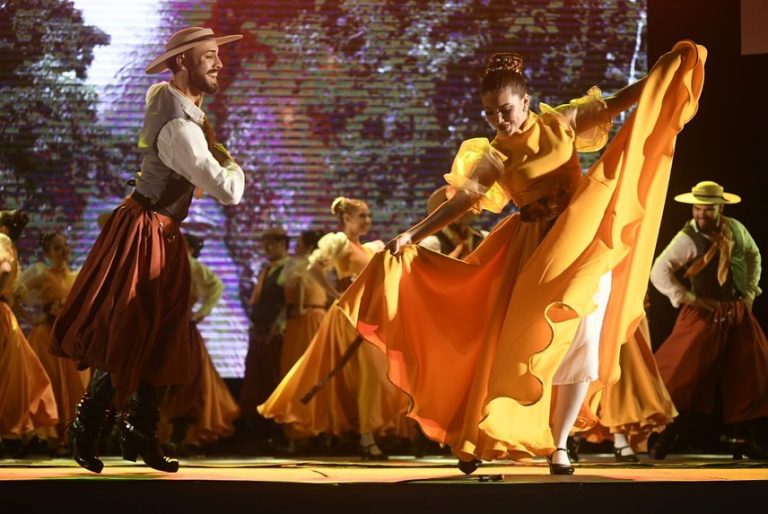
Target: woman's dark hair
(46,238)
(195,244)
(14,221)
(504,70)
(310,238)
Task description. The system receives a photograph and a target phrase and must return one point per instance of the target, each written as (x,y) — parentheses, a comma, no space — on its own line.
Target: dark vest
(271,302)
(705,283)
(163,190)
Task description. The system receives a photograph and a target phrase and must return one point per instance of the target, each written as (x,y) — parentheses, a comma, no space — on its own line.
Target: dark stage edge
(599,485)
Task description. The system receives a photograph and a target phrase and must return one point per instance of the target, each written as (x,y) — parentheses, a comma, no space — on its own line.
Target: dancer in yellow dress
(358,399)
(631,409)
(46,285)
(27,402)
(498,351)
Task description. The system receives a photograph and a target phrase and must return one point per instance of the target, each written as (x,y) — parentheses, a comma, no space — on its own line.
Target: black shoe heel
(367,455)
(133,444)
(559,469)
(469,466)
(632,458)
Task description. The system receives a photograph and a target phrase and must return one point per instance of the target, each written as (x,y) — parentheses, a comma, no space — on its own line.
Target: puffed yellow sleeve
(329,248)
(7,255)
(375,246)
(476,156)
(590,112)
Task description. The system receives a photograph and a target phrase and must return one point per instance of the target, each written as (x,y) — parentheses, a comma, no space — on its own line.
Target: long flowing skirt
(639,403)
(27,402)
(476,344)
(207,400)
(128,310)
(358,399)
(68,382)
(725,349)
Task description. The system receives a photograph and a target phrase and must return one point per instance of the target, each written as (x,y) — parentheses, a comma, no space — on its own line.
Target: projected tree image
(368,99)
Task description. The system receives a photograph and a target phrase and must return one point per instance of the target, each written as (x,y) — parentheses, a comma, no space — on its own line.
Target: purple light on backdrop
(365,99)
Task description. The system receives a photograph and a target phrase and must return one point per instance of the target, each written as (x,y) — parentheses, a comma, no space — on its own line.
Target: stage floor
(707,483)
(600,468)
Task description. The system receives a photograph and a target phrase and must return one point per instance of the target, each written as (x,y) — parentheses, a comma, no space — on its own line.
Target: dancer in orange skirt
(631,409)
(498,351)
(46,285)
(203,411)
(127,315)
(358,398)
(27,402)
(306,305)
(305,300)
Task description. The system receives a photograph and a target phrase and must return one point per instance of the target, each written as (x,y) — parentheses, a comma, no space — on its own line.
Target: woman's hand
(396,244)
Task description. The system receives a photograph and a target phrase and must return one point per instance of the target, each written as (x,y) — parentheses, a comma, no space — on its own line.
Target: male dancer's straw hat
(707,193)
(185,39)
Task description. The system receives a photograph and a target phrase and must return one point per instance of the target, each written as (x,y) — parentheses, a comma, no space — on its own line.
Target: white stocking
(567,405)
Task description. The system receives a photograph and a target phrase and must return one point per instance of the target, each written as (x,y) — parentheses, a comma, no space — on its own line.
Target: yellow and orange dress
(305,303)
(27,402)
(207,402)
(638,404)
(48,287)
(359,398)
(477,344)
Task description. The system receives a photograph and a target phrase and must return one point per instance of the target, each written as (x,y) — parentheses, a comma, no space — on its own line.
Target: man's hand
(221,154)
(748,301)
(395,245)
(700,303)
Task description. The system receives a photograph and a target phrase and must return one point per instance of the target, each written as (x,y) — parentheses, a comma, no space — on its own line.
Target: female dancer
(631,409)
(47,284)
(498,352)
(358,398)
(27,402)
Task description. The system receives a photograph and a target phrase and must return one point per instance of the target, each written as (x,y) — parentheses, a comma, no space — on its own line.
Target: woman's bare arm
(317,273)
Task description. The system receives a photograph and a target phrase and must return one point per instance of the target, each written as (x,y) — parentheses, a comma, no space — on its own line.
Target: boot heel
(131,455)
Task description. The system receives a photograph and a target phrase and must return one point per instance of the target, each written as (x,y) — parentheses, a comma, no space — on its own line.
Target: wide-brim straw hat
(185,39)
(708,193)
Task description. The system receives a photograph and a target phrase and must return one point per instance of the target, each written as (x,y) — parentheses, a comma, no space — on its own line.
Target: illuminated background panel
(368,99)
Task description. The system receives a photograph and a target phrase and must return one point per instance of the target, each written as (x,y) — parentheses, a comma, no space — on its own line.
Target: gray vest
(164,190)
(705,283)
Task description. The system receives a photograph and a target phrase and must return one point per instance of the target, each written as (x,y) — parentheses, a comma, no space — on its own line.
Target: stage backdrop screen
(367,99)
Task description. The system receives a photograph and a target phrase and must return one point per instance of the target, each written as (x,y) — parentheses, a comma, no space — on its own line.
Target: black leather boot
(178,446)
(138,435)
(85,429)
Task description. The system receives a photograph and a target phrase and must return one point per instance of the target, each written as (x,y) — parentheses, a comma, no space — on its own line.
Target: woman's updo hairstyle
(504,70)
(343,205)
(46,239)
(310,238)
(14,221)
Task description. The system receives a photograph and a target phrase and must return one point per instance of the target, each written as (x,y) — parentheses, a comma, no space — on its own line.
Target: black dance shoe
(630,458)
(559,469)
(367,455)
(469,466)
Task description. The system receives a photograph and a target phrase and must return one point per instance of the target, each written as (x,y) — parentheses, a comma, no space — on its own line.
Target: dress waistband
(292,310)
(548,207)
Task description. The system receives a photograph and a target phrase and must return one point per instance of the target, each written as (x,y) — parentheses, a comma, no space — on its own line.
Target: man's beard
(198,81)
